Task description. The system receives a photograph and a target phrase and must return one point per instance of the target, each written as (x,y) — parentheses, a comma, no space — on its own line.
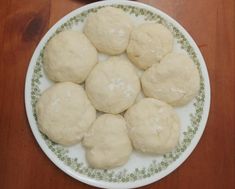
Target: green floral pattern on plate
(154,167)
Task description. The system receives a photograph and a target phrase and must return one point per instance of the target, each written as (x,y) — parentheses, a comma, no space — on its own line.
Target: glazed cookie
(149,43)
(64,113)
(113,85)
(69,56)
(109,30)
(154,126)
(107,143)
(175,80)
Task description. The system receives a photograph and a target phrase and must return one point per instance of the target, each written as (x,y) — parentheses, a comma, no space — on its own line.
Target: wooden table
(23,164)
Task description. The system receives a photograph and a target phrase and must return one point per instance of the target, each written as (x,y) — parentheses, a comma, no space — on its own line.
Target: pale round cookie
(69,56)
(175,80)
(109,30)
(153,125)
(64,113)
(107,143)
(149,43)
(113,85)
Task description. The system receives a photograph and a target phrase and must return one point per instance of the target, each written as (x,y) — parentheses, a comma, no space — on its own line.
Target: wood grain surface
(23,164)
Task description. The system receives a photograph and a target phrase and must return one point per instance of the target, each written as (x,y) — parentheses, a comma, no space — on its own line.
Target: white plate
(140,169)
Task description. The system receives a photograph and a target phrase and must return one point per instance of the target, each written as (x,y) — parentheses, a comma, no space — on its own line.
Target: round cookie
(149,43)
(69,56)
(64,113)
(154,126)
(113,85)
(175,80)
(109,30)
(107,143)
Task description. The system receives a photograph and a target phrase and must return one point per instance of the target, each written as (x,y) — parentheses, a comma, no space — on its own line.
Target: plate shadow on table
(85,1)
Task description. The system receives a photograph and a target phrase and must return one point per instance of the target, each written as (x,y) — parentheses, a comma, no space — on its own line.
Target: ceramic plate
(140,169)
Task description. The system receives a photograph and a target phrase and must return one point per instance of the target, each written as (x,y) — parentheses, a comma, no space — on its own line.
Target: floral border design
(154,167)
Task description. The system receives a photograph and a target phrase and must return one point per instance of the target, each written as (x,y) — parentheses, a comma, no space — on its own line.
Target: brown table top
(212,25)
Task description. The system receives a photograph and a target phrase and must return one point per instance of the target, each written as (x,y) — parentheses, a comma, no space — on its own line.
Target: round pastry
(107,143)
(64,113)
(149,43)
(69,56)
(154,126)
(113,85)
(109,30)
(175,80)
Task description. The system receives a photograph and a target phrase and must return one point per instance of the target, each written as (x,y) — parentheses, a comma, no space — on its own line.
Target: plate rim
(101,183)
